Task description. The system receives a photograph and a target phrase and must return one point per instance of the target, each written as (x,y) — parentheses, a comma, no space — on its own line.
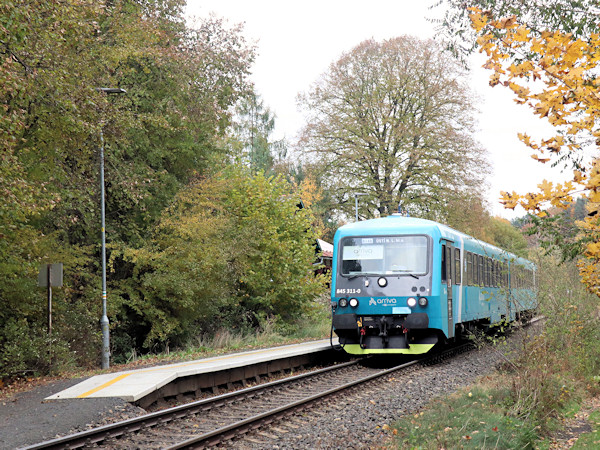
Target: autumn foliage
(555,74)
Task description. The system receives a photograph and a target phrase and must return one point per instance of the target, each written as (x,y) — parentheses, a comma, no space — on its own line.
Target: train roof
(411,225)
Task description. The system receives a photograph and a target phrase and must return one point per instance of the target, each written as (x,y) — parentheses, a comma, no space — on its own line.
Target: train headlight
(382,282)
(353,302)
(343,302)
(412,302)
(422,301)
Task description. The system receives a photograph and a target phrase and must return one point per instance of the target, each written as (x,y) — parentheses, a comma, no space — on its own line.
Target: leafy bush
(232,251)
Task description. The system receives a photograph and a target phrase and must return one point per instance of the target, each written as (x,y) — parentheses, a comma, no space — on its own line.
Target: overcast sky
(297,41)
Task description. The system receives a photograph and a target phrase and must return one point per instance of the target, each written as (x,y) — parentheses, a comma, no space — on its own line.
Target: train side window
(469,257)
(530,279)
(497,273)
(457,268)
(484,271)
(479,270)
(484,274)
(443,264)
(520,278)
(450,265)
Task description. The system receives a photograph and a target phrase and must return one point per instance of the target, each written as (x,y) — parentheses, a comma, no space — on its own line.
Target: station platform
(134,385)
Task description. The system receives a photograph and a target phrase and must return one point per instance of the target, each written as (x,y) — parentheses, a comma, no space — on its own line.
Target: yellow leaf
(578,177)
(478,21)
(542,160)
(506,23)
(521,34)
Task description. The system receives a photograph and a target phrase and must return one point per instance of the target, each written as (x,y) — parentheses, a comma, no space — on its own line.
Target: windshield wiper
(366,274)
(407,272)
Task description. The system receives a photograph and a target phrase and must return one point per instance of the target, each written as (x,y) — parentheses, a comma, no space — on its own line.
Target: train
(402,285)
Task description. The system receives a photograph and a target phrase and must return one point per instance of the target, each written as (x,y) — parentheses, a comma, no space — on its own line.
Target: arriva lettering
(382,301)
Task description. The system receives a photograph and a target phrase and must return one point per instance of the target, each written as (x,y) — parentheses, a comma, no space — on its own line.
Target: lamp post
(356,195)
(104,321)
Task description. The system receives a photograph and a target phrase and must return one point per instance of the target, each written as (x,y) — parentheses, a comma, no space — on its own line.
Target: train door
(448,269)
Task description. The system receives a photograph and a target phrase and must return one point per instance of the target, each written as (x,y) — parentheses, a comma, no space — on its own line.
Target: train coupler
(362,333)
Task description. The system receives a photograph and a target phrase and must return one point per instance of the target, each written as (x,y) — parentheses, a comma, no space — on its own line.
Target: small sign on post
(51,275)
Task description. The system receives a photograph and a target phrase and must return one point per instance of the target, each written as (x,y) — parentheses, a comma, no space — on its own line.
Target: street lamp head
(111,90)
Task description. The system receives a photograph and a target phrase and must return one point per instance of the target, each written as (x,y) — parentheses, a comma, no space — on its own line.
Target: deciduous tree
(394,120)
(567,16)
(252,127)
(555,73)
(230,251)
(181,83)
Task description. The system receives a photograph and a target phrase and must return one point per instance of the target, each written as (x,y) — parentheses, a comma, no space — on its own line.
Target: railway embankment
(360,419)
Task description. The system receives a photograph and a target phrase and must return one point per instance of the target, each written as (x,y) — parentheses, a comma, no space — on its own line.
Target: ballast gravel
(359,420)
(363,419)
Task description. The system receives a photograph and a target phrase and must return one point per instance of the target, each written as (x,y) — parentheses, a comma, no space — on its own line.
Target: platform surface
(132,385)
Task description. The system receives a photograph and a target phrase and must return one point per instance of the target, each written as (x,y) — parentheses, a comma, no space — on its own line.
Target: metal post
(104,321)
(356,195)
(49,272)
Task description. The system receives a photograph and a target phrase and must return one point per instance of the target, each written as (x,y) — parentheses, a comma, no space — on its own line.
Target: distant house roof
(326,248)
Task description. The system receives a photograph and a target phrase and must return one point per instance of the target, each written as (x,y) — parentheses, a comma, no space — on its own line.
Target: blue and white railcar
(401,285)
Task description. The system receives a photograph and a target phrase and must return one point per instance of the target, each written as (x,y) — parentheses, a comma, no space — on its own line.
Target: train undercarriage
(403,334)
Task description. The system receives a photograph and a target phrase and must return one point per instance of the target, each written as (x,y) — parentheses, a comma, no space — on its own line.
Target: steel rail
(218,435)
(116,429)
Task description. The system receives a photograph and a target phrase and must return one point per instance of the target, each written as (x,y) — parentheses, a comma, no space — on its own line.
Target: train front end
(382,277)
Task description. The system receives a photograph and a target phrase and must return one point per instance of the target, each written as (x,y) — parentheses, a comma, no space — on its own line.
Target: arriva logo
(382,301)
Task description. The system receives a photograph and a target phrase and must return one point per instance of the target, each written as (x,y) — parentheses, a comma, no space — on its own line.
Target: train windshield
(384,255)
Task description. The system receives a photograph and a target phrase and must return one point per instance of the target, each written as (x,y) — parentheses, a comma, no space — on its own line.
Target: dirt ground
(27,419)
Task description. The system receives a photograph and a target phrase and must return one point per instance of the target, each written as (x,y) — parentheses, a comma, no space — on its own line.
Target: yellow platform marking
(153,369)
(105,385)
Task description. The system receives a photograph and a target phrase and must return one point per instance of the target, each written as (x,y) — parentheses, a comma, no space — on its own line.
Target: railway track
(214,420)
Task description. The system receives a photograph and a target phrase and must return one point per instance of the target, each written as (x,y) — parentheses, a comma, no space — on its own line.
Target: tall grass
(269,333)
(548,377)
